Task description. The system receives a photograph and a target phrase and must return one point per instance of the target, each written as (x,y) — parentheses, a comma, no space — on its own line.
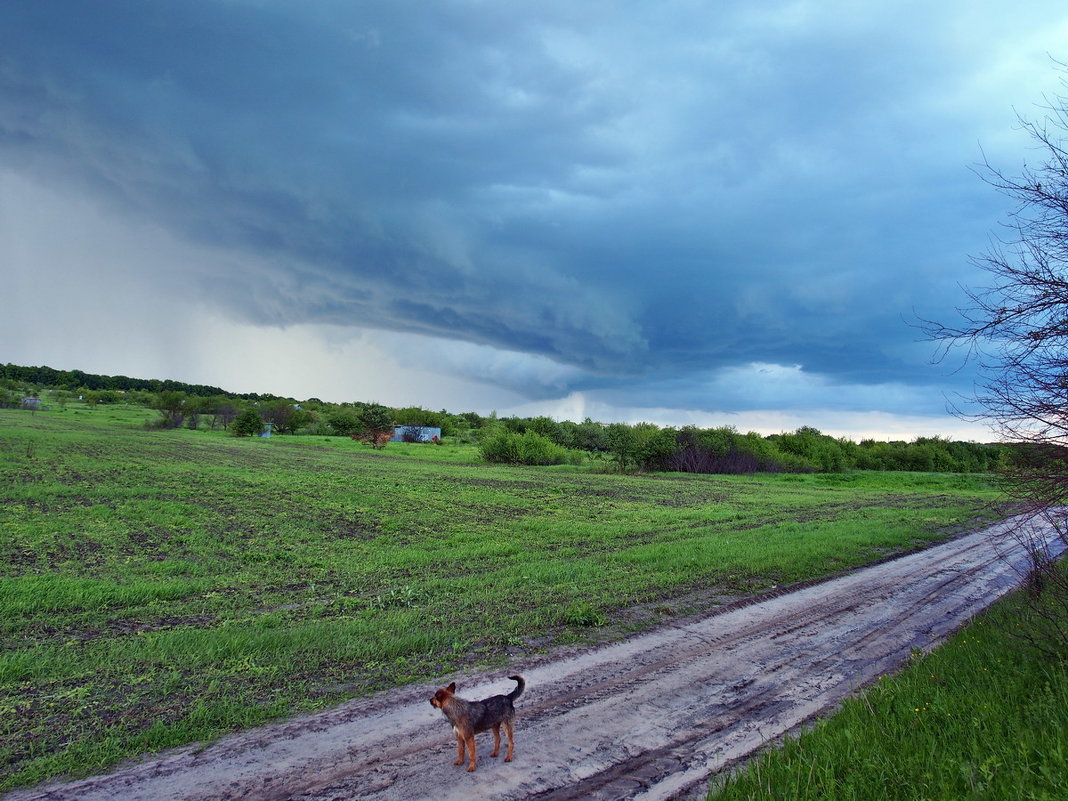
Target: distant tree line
(645,446)
(509,440)
(76,379)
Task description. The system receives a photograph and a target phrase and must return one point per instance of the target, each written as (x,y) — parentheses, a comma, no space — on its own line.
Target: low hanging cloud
(721,208)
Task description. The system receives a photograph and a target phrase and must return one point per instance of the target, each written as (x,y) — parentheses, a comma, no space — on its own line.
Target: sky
(728,213)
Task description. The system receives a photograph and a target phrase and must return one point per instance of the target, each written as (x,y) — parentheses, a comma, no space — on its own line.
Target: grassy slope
(163,587)
(981,717)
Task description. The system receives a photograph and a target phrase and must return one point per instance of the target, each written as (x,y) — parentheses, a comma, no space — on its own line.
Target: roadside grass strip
(984,716)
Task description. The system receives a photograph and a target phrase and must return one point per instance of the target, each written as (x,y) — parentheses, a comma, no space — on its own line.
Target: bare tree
(170,404)
(1015,330)
(222,412)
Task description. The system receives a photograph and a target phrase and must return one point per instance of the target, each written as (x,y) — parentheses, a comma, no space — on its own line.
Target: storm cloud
(704,207)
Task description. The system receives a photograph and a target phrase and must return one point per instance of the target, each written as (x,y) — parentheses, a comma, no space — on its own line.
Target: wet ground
(652,717)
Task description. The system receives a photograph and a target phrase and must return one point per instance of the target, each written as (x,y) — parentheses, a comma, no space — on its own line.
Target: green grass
(981,717)
(161,587)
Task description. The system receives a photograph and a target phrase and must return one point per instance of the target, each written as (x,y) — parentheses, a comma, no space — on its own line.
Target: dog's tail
(518,691)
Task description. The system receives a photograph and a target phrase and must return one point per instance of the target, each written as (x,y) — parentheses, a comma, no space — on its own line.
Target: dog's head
(443,695)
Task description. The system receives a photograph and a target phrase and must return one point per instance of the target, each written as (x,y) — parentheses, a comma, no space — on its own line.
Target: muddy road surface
(652,717)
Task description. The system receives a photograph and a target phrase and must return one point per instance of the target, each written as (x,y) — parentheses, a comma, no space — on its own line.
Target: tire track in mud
(652,717)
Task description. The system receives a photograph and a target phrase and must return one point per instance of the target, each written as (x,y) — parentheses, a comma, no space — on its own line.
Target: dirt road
(649,718)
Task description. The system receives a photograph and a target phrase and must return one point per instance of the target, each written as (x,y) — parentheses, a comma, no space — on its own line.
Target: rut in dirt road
(652,717)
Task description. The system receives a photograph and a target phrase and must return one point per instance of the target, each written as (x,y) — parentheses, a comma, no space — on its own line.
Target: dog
(468,718)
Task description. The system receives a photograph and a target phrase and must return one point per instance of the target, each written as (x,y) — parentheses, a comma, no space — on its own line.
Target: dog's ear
(452,687)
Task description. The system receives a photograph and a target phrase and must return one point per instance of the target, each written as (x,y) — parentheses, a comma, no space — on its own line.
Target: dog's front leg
(472,753)
(496,741)
(459,749)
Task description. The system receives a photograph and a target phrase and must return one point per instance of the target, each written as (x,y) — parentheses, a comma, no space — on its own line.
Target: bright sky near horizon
(679,212)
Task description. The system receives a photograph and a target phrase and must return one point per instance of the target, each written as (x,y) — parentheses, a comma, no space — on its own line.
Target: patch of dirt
(651,717)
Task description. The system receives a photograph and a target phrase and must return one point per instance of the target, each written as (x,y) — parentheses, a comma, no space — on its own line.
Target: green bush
(247,424)
(507,447)
(810,447)
(376,424)
(343,422)
(643,446)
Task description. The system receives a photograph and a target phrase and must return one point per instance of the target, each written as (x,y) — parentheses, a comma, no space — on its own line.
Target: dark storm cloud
(649,196)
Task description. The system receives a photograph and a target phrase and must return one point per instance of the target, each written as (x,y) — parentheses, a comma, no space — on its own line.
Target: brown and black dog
(470,717)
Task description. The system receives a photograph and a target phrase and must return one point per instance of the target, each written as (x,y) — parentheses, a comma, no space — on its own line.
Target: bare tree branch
(1015,330)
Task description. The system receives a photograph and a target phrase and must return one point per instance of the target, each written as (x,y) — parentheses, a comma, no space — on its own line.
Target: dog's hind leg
(510,731)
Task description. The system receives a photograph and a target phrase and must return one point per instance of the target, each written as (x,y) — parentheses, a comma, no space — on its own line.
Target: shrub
(247,424)
(376,424)
(590,436)
(507,447)
(343,422)
(320,428)
(812,447)
(724,450)
(170,405)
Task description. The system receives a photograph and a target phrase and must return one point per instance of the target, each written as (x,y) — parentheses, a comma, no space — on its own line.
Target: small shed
(33,404)
(416,434)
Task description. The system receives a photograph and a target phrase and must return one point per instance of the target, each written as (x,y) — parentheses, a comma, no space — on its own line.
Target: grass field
(981,717)
(163,587)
